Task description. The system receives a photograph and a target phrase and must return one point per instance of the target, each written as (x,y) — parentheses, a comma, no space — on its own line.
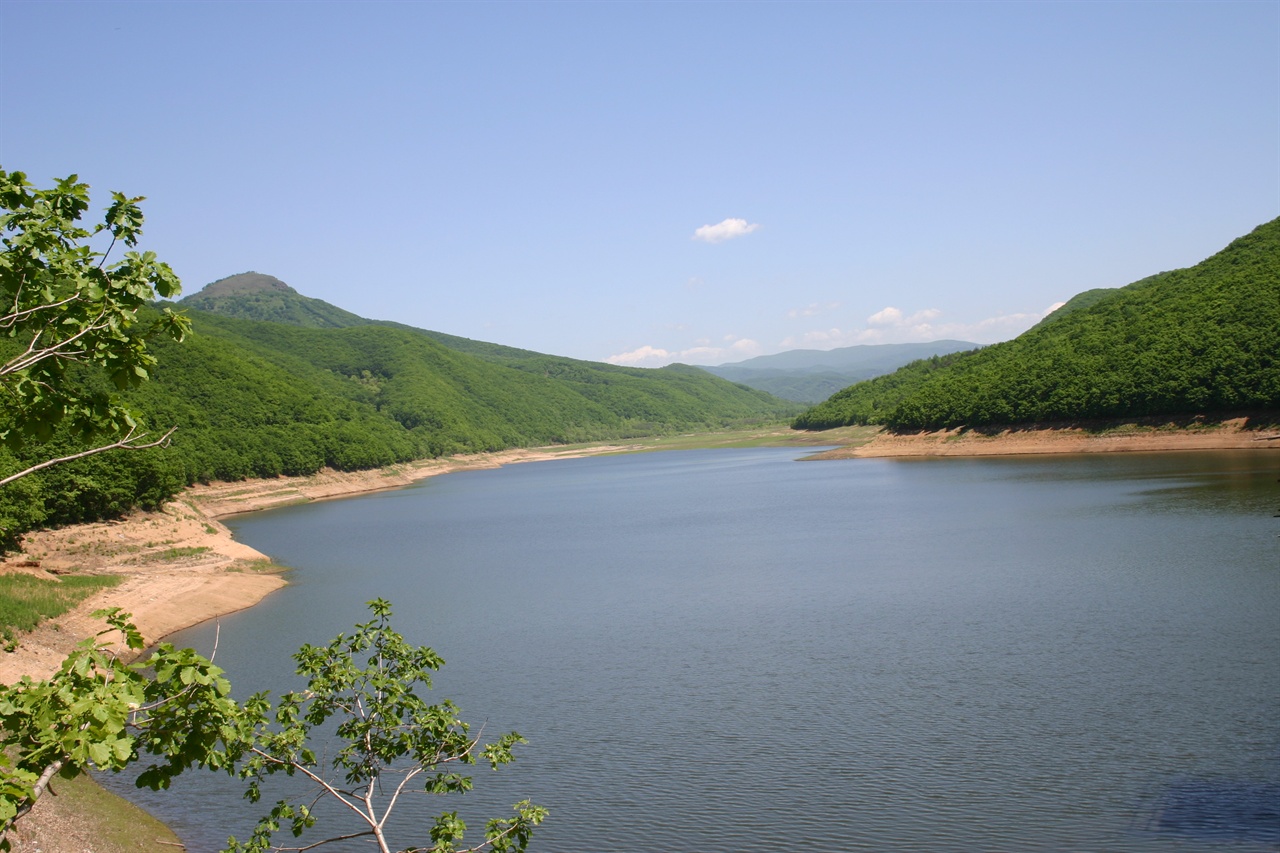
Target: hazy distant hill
(1200,340)
(809,375)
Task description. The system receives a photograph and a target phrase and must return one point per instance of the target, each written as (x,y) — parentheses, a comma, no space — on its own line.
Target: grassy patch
(169,554)
(256,566)
(111,823)
(26,600)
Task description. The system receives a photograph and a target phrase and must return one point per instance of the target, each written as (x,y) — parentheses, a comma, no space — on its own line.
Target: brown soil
(1234,434)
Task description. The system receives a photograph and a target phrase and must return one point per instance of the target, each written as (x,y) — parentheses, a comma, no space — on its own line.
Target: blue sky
(656,182)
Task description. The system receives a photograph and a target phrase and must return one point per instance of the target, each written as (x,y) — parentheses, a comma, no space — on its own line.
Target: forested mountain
(328,388)
(254,296)
(810,375)
(1199,340)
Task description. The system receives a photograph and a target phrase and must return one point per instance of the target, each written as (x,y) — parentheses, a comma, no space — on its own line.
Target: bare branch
(325,841)
(129,442)
(37,790)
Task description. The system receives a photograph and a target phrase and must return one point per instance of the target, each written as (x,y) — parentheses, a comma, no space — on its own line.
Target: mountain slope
(252,398)
(254,296)
(1192,341)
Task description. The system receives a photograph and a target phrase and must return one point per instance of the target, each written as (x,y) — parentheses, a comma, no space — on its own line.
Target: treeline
(1195,341)
(259,399)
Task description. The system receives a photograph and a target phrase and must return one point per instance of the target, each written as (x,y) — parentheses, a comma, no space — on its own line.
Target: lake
(731,650)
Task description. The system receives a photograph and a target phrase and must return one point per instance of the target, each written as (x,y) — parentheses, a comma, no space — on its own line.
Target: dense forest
(253,398)
(1199,340)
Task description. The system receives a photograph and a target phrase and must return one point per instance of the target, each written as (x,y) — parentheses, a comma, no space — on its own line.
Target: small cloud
(892,325)
(639,356)
(888,317)
(726,230)
(891,316)
(734,349)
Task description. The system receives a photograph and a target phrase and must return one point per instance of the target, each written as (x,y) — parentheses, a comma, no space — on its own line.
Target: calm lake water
(731,650)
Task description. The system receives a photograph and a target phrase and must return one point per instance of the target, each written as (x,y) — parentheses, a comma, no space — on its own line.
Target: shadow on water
(1218,810)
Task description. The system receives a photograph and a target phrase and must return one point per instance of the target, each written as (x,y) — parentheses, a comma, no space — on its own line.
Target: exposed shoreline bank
(1233,434)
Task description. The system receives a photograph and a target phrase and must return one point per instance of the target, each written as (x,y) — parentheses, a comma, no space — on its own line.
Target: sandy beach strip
(1233,434)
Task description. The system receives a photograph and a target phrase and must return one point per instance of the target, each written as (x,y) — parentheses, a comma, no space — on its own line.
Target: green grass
(177,553)
(115,825)
(26,600)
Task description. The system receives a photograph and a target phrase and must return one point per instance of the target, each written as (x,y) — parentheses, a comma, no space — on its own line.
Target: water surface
(734,651)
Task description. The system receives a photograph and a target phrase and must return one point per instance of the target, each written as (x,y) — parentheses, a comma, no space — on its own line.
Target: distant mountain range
(1201,340)
(810,375)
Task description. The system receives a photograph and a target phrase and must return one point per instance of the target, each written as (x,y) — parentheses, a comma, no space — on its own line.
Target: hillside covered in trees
(1200,340)
(253,398)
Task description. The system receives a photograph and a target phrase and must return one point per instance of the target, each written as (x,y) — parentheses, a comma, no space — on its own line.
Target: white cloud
(638,357)
(891,316)
(892,325)
(734,349)
(726,230)
(888,317)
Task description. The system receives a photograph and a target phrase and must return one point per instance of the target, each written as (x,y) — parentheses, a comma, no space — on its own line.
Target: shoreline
(180,566)
(1152,437)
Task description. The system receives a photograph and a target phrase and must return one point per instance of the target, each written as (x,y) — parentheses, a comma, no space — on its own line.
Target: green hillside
(1194,341)
(254,296)
(258,399)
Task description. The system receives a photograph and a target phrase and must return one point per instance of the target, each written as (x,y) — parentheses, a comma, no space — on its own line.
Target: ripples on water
(730,651)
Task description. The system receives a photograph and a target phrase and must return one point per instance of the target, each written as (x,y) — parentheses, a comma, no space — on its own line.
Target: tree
(64,308)
(393,743)
(100,711)
(104,713)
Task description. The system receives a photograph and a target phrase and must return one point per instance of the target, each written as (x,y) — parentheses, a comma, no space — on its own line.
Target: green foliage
(26,600)
(175,708)
(64,306)
(100,712)
(257,399)
(1196,341)
(393,741)
(254,296)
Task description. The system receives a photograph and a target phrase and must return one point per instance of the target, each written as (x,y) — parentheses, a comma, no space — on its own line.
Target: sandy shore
(180,566)
(1234,434)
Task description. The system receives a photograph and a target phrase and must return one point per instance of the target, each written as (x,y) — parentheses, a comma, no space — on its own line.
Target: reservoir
(732,650)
